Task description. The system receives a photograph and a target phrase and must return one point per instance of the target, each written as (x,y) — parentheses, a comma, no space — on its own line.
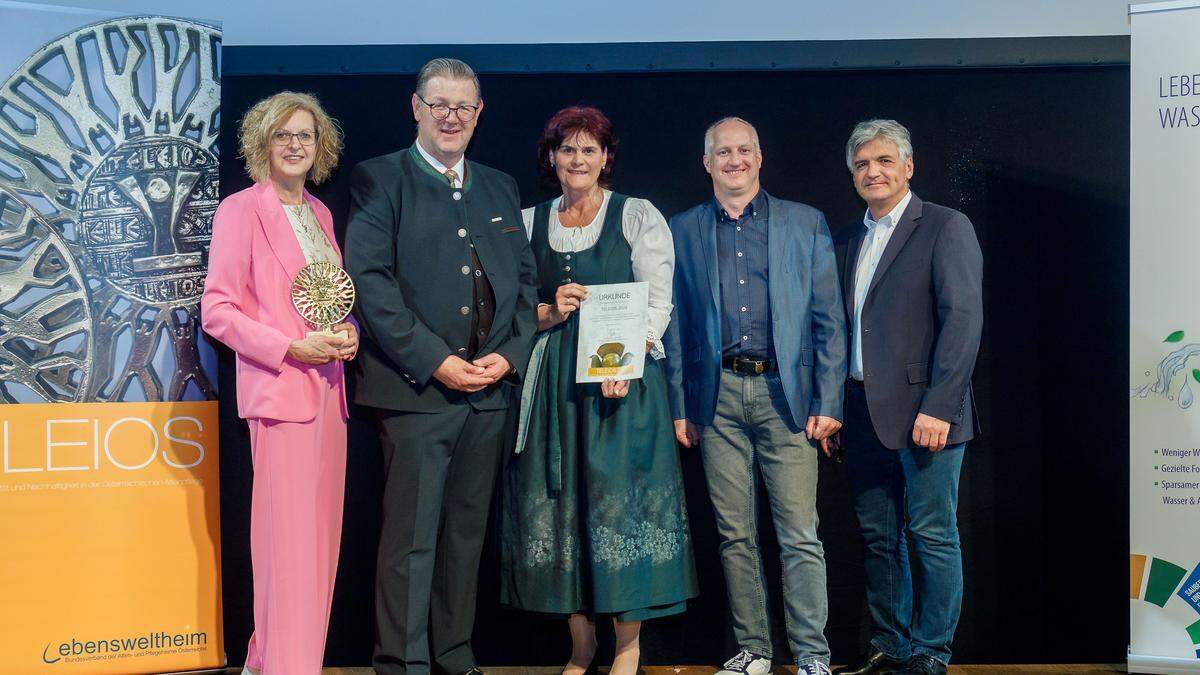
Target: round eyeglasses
(441,111)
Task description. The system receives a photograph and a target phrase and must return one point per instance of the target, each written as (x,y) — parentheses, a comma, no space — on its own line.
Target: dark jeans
(909,618)
(440,473)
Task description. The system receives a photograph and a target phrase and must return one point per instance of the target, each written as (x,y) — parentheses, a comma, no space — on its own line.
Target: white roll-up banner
(1164,338)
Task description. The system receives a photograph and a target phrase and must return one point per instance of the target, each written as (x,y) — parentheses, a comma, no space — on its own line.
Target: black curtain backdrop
(1037,158)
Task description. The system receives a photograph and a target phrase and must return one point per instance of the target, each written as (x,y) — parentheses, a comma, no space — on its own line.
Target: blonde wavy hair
(271,113)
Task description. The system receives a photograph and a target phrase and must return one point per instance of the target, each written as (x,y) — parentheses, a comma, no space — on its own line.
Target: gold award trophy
(323,294)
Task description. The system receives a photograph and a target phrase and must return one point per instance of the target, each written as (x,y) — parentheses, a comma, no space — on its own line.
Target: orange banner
(109,523)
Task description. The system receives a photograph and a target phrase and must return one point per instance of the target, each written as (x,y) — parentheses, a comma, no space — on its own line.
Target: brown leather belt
(744,365)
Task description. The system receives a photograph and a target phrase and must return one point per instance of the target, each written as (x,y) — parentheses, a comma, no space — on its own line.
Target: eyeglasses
(284,138)
(441,111)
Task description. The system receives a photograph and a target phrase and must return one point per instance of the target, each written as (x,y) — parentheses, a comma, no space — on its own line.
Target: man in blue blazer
(756,369)
(913,283)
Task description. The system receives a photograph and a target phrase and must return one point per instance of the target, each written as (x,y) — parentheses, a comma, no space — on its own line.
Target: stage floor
(779,670)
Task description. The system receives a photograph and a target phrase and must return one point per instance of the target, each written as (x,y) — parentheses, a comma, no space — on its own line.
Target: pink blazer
(247,304)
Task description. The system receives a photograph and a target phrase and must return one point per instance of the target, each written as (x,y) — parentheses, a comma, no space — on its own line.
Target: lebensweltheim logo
(75,650)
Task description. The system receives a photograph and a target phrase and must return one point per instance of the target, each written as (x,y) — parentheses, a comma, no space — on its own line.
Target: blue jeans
(752,432)
(887,483)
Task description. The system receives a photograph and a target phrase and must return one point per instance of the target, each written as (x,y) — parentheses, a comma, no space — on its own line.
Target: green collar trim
(428,168)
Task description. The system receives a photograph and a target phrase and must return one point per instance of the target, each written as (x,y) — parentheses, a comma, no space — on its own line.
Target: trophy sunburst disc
(323,294)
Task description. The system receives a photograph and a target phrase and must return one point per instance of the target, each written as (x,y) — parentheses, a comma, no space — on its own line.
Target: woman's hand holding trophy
(323,294)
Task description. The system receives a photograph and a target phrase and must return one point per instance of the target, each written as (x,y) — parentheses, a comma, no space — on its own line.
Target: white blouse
(312,239)
(653,256)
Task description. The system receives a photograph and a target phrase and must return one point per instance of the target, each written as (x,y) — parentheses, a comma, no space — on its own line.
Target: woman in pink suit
(289,383)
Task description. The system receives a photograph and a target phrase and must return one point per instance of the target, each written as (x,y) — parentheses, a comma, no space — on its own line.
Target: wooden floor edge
(966,669)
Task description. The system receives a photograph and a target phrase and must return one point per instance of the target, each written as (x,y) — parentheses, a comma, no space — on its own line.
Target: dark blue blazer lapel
(904,230)
(776,265)
(708,239)
(850,267)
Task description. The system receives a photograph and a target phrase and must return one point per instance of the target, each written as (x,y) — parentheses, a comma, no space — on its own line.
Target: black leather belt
(746,365)
(857,384)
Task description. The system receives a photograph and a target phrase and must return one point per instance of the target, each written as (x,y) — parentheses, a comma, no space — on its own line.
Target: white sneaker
(746,663)
(816,668)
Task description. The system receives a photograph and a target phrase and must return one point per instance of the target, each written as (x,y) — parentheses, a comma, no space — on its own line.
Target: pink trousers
(295,534)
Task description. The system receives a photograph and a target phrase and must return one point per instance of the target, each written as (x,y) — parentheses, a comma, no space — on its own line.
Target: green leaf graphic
(1196,374)
(1174,337)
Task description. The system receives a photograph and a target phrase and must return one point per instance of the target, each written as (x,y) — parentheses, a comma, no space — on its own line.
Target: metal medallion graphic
(323,294)
(45,318)
(109,177)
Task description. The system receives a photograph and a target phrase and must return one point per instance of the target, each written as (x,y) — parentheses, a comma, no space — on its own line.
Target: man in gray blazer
(756,366)
(912,277)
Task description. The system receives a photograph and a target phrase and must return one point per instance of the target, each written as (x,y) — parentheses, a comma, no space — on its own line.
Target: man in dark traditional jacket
(446,302)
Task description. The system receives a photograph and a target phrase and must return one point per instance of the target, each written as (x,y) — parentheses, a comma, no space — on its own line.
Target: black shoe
(874,663)
(923,664)
(473,670)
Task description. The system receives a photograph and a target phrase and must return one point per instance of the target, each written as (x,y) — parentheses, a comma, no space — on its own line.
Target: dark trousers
(440,473)
(899,495)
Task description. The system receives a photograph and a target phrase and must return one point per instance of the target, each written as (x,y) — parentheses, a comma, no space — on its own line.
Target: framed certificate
(612,332)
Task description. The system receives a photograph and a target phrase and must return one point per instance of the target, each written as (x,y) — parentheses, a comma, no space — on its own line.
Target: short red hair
(568,122)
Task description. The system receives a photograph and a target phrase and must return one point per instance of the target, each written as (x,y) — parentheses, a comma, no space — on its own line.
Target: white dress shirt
(441,168)
(875,241)
(653,256)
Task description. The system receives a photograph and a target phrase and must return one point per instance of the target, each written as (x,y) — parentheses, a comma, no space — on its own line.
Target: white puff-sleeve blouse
(652,257)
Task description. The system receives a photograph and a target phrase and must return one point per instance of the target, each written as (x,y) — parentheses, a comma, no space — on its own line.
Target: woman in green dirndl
(594,520)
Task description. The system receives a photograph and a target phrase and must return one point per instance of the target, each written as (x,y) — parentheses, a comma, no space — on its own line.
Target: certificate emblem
(609,360)
(323,294)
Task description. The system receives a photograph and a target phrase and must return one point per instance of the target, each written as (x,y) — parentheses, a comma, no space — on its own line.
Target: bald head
(732,122)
